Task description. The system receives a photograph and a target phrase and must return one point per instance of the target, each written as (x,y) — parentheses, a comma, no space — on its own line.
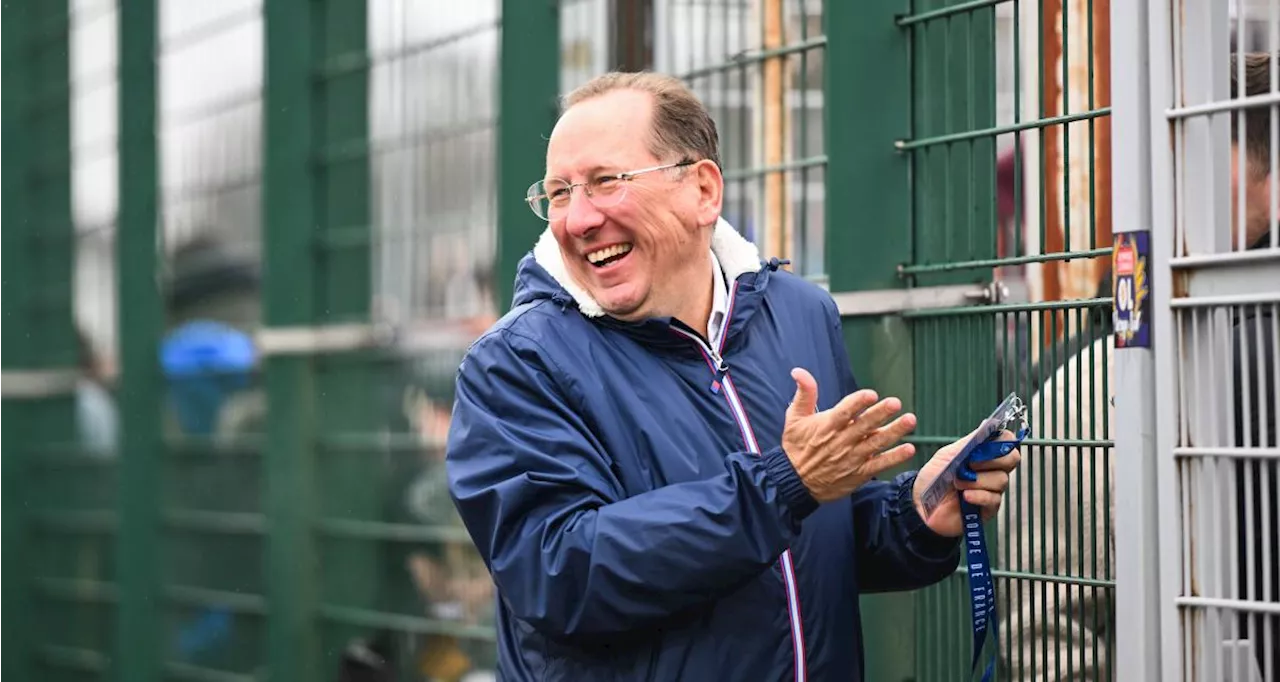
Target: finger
(886,435)
(875,416)
(892,458)
(854,403)
(983,498)
(805,401)
(995,481)
(1006,463)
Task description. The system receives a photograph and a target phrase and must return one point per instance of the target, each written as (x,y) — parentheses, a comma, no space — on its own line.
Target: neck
(697,308)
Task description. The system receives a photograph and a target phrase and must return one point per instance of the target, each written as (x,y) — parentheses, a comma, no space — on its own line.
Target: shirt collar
(719,303)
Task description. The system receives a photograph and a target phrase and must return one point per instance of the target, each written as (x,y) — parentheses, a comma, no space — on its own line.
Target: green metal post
(16,334)
(48,124)
(344,384)
(49,244)
(141,317)
(867,229)
(868,217)
(315,101)
(289,293)
(529,62)
(342,121)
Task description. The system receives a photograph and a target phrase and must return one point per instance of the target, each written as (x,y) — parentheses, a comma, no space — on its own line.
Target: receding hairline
(648,82)
(678,120)
(578,98)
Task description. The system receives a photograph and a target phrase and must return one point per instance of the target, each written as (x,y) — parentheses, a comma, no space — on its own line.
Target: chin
(624,306)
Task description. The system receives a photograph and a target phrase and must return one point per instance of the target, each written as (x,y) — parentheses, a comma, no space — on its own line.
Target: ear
(710,185)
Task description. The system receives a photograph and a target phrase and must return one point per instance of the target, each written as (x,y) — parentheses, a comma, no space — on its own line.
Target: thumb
(805,401)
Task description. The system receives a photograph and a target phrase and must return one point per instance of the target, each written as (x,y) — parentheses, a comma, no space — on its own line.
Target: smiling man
(640,448)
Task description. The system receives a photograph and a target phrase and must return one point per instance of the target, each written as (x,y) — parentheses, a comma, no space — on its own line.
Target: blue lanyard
(982,592)
(983,447)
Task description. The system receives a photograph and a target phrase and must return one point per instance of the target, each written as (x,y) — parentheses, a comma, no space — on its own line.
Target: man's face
(656,224)
(1257,193)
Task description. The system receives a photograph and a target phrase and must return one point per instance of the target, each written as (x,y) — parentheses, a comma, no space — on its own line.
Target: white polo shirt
(719,303)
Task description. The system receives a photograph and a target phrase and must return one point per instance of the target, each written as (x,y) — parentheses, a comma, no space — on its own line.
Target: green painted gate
(313,185)
(351,200)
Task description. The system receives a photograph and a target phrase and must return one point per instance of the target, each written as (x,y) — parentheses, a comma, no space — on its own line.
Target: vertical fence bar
(529,64)
(1168,482)
(868,193)
(60,623)
(17,435)
(342,385)
(289,291)
(140,320)
(1137,595)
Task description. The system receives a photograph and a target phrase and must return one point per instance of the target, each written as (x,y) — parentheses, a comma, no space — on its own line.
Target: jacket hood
(542,273)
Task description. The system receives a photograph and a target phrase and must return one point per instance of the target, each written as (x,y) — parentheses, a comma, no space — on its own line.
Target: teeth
(608,252)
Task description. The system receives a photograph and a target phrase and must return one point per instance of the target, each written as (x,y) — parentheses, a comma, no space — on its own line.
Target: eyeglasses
(549,199)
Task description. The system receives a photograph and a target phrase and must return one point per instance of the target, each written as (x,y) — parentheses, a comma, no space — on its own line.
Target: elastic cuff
(792,490)
(921,537)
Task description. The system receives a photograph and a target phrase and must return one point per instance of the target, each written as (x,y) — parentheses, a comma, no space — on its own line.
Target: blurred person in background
(451,580)
(1255,348)
(449,577)
(637,449)
(213,306)
(1060,624)
(96,415)
(210,365)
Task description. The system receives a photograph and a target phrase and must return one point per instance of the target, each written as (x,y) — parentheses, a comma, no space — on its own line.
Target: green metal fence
(60,611)
(342,183)
(1055,575)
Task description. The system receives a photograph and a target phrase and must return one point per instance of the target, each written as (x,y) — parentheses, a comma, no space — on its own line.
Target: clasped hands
(837,450)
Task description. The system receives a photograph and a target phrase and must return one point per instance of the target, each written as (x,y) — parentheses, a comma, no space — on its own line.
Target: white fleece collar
(737,257)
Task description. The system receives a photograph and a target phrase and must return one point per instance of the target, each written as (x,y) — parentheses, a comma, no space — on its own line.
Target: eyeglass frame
(625,177)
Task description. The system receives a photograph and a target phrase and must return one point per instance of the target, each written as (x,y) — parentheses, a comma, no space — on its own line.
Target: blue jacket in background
(625,484)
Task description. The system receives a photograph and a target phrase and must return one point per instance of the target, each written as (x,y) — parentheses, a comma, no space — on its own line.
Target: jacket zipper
(721,371)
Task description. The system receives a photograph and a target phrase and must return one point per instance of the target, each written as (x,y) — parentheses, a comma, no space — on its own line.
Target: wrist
(793,491)
(918,529)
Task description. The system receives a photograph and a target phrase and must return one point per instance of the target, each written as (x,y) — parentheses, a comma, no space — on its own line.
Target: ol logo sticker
(1131,290)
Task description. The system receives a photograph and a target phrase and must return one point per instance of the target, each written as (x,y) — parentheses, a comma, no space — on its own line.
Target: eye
(605,183)
(558,194)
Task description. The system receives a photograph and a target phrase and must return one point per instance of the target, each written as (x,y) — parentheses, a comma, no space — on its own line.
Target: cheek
(1261,199)
(559,231)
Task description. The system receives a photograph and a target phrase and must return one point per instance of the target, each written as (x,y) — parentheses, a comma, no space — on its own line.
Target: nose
(583,217)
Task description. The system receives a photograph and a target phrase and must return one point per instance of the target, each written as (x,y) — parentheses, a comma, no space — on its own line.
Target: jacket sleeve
(571,555)
(896,550)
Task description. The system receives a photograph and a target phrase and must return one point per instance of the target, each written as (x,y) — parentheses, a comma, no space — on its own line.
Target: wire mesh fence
(385,219)
(213,531)
(66,496)
(1009,173)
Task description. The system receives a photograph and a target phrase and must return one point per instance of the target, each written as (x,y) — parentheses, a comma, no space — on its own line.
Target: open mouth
(608,255)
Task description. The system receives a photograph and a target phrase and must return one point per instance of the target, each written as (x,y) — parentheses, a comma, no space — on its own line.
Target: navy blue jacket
(625,484)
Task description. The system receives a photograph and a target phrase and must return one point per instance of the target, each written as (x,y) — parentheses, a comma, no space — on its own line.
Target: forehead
(608,131)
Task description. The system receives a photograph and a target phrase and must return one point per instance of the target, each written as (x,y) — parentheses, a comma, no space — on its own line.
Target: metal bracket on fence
(888,301)
(31,384)
(337,338)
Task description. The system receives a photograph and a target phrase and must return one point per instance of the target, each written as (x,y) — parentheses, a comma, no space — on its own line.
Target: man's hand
(838,450)
(985,493)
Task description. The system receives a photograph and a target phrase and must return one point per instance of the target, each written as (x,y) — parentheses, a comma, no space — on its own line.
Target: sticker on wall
(1130,289)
